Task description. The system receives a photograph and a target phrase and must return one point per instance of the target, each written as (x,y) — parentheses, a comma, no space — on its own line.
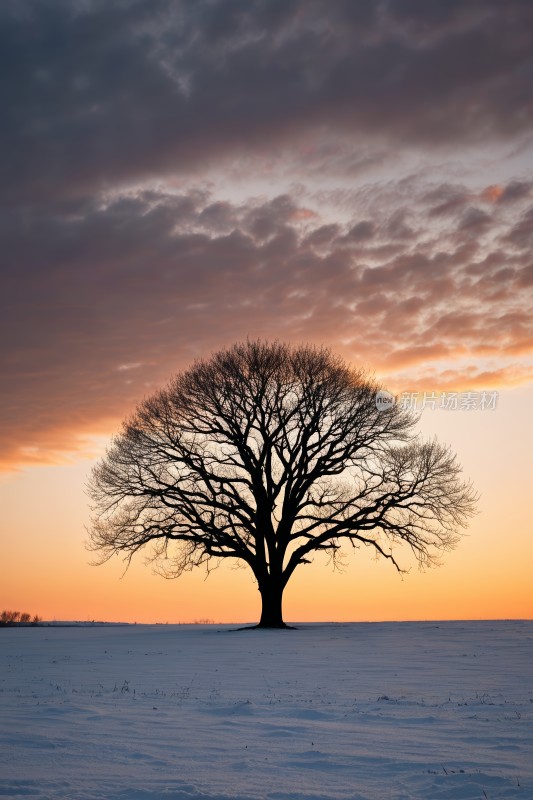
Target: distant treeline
(18,618)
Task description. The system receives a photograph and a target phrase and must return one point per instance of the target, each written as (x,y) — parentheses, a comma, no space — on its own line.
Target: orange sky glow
(46,569)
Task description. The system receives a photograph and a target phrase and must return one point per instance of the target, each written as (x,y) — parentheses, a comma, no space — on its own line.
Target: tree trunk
(271,595)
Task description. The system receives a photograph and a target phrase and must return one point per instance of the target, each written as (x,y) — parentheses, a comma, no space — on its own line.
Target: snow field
(384,711)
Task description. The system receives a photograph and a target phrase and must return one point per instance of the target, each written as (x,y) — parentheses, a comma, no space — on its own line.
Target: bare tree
(267,454)
(17,618)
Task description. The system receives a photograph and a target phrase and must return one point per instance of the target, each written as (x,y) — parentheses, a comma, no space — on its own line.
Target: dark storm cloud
(96,92)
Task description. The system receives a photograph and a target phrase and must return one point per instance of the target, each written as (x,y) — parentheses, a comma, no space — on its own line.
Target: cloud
(108,299)
(182,175)
(97,93)
(521,236)
(466,379)
(361,231)
(516,190)
(474,219)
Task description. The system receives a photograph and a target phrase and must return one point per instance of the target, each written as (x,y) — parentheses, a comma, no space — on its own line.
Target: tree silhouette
(17,618)
(267,454)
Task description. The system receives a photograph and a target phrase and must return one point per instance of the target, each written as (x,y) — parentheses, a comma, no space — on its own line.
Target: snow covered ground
(433,711)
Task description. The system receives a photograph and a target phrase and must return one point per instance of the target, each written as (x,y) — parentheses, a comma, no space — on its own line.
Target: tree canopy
(266,454)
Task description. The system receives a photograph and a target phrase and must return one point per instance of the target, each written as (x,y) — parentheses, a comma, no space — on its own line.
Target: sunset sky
(178,176)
